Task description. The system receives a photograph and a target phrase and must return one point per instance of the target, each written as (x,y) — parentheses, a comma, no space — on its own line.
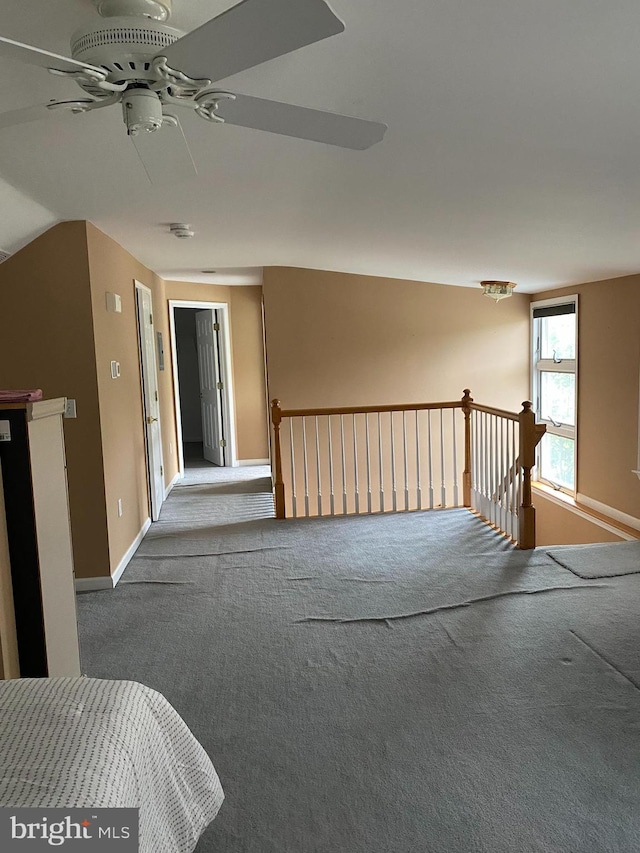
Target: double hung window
(555,345)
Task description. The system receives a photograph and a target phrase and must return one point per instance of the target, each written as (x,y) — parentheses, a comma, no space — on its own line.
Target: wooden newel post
(276,417)
(466,474)
(528,441)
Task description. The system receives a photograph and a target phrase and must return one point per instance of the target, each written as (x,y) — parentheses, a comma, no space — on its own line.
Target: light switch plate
(115,369)
(114,303)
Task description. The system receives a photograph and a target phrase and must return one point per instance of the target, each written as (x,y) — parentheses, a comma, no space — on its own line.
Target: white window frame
(567,365)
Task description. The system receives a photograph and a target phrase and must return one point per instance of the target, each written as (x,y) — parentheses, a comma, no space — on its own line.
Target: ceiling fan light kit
(131,56)
(497,289)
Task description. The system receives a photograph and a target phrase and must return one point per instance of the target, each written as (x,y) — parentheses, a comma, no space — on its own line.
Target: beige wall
(339,340)
(247,357)
(112,269)
(47,342)
(608,373)
(247,341)
(559,525)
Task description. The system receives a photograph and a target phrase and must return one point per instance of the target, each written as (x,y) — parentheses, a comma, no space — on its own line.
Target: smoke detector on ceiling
(181,230)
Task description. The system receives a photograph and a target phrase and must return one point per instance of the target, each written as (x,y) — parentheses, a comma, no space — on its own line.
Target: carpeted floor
(383,684)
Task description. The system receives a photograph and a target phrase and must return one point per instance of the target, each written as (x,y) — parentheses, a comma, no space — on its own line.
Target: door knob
(151,420)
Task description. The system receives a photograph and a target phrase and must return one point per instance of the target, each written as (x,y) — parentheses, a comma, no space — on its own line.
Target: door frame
(228,396)
(154,509)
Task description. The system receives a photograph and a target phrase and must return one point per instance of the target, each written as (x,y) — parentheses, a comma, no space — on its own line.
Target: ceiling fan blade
(41,111)
(251,33)
(301,122)
(165,155)
(10,49)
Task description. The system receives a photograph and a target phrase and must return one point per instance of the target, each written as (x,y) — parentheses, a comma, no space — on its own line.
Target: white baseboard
(177,477)
(616,514)
(247,462)
(91,584)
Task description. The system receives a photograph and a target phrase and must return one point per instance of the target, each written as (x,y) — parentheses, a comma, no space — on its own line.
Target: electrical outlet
(119,507)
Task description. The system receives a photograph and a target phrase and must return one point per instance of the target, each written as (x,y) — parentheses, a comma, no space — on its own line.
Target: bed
(71,742)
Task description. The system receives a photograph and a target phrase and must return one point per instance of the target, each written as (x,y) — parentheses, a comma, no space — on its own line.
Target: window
(555,344)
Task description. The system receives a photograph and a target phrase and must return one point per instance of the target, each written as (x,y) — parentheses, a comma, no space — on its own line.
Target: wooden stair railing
(499,453)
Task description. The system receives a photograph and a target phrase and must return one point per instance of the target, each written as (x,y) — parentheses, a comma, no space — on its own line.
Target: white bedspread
(87,742)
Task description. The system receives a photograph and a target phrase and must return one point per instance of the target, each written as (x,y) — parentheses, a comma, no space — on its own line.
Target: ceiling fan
(133,57)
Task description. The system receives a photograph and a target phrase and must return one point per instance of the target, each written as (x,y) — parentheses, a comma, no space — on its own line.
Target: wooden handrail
(369,410)
(491,410)
(530,434)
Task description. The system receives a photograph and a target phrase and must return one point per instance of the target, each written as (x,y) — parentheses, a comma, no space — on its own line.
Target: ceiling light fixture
(497,289)
(181,230)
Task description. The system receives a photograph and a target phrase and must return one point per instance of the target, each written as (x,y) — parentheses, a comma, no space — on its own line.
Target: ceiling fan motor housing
(123,46)
(159,10)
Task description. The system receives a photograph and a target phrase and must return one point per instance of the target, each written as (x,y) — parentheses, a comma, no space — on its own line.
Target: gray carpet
(608,560)
(382,684)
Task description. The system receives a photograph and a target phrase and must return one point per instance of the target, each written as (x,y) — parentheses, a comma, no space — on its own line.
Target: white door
(208,341)
(150,398)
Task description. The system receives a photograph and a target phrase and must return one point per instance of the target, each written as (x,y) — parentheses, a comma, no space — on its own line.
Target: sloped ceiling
(512,150)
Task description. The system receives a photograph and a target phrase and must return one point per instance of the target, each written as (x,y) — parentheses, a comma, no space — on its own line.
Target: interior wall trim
(616,514)
(247,462)
(91,584)
(171,485)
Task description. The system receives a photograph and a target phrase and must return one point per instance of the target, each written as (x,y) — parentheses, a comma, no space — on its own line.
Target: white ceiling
(513,149)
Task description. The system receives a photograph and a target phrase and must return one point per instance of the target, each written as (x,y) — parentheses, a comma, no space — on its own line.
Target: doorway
(202,383)
(151,410)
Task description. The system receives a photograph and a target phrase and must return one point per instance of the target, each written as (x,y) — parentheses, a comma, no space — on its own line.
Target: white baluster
(430,459)
(418,474)
(380,465)
(330,442)
(443,488)
(306,470)
(368,447)
(344,467)
(293,471)
(318,467)
(355,466)
(455,460)
(393,465)
(406,470)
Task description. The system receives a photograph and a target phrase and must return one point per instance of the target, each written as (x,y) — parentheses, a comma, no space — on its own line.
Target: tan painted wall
(247,344)
(338,340)
(113,269)
(558,525)
(608,373)
(47,342)
(247,357)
